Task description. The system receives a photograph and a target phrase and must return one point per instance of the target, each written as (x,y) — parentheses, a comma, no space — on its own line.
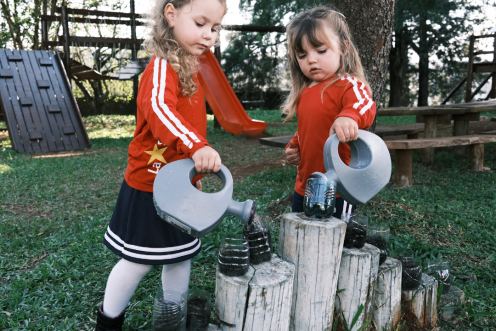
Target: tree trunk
(423,96)
(398,62)
(371,24)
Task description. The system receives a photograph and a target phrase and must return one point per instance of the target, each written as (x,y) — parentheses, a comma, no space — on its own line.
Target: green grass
(54,213)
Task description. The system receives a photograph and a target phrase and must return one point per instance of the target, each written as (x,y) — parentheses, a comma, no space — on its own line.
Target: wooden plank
(440,142)
(54,18)
(476,157)
(470,71)
(422,303)
(26,101)
(467,117)
(87,12)
(53,108)
(25,75)
(14,57)
(489,132)
(427,110)
(45,62)
(67,103)
(387,298)
(8,109)
(37,110)
(20,121)
(280,141)
(403,168)
(430,131)
(6,73)
(485,67)
(52,98)
(35,135)
(29,116)
(41,98)
(43,83)
(68,129)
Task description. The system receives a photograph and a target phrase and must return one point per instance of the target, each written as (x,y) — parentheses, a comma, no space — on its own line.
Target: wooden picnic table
(461,113)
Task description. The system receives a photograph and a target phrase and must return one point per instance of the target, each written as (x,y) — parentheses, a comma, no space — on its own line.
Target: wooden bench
(403,152)
(411,130)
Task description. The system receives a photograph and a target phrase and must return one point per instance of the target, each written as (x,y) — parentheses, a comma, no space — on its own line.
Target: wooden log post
(424,304)
(476,156)
(258,301)
(455,297)
(387,296)
(403,167)
(315,247)
(430,131)
(357,277)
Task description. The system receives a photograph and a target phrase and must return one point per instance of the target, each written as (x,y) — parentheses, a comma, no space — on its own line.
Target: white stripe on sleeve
(361,100)
(157,111)
(166,109)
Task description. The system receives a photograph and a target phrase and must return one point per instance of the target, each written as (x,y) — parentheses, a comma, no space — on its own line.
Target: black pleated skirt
(137,234)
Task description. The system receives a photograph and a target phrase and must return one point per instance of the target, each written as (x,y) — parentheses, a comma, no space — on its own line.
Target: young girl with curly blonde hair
(171,125)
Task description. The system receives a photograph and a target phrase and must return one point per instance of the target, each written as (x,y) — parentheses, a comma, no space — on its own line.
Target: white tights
(126,275)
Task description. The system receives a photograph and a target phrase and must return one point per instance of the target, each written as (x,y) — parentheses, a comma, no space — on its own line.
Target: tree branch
(12,25)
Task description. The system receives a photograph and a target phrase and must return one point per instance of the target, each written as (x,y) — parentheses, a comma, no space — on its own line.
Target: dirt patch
(239,171)
(63,154)
(27,211)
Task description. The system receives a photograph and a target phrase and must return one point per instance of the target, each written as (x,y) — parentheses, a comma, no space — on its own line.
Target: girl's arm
(358,111)
(158,100)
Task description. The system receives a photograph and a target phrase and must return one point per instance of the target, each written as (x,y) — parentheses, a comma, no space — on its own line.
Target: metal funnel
(369,170)
(192,211)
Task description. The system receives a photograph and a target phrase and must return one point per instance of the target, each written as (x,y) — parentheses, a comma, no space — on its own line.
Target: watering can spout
(245,211)
(369,169)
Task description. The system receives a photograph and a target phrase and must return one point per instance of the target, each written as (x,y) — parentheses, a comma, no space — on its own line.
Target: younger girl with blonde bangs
(171,125)
(329,94)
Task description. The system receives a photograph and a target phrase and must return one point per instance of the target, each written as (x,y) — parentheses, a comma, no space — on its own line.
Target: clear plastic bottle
(199,307)
(234,257)
(259,239)
(169,311)
(320,196)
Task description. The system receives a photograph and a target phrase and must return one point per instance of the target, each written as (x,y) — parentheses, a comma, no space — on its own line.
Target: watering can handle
(224,174)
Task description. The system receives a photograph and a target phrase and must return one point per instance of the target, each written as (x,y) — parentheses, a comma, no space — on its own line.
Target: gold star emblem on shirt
(156,154)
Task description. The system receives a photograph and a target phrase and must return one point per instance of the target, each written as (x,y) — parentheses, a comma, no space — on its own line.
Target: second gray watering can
(369,170)
(192,211)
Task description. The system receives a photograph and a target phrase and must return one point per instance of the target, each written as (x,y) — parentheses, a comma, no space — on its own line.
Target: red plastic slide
(224,103)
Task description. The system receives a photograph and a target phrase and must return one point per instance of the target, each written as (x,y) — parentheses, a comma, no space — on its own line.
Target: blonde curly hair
(162,43)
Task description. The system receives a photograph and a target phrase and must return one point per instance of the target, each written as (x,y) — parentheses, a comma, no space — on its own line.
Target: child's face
(196,25)
(319,64)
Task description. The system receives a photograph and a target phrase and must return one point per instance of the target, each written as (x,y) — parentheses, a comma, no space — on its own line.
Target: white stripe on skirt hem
(151,257)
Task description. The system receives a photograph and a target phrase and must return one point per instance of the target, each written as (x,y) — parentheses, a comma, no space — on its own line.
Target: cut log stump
(357,277)
(455,297)
(387,296)
(424,304)
(315,247)
(258,301)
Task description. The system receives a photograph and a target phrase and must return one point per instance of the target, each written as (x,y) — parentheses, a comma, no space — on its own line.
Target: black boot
(105,323)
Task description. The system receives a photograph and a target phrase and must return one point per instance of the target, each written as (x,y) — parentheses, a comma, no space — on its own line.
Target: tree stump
(315,247)
(258,301)
(387,296)
(423,307)
(455,297)
(357,277)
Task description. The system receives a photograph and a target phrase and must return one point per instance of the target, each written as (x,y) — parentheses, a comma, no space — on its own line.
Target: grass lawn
(54,210)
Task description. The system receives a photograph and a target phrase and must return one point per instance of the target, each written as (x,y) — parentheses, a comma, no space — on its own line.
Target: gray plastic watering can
(369,170)
(192,211)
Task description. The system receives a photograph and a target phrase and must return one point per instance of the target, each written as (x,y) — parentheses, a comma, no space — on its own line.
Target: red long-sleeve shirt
(169,126)
(316,114)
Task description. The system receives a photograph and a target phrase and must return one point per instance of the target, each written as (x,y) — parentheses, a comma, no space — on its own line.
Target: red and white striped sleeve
(158,104)
(357,102)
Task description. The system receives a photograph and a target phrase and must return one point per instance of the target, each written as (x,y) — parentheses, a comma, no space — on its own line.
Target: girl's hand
(207,160)
(293,154)
(198,185)
(345,128)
